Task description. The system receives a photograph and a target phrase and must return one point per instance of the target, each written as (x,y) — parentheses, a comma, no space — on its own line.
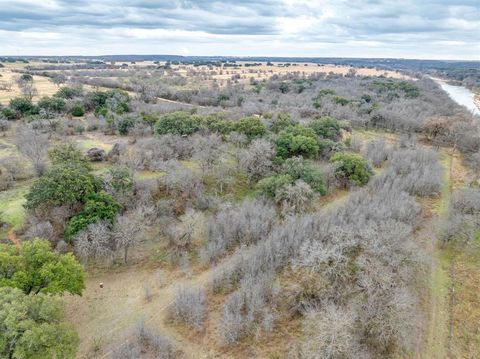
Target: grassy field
(44,86)
(12,211)
(454,329)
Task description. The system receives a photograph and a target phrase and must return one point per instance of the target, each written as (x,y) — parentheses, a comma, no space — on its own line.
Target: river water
(460,95)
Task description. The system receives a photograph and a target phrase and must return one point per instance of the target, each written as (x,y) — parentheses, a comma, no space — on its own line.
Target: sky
(426,29)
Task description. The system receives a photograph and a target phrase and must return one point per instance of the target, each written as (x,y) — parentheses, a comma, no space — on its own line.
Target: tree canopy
(68,181)
(33,327)
(297,141)
(352,168)
(98,206)
(326,127)
(34,268)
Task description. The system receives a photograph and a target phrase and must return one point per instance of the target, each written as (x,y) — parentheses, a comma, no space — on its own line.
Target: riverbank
(460,94)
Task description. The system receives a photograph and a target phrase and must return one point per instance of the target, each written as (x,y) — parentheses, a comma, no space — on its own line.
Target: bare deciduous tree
(295,198)
(126,232)
(33,145)
(330,333)
(189,306)
(94,242)
(256,160)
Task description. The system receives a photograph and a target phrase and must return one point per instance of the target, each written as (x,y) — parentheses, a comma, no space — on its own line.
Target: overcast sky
(431,29)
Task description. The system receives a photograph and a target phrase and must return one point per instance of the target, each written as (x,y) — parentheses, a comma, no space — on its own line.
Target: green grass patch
(100,168)
(7,149)
(192,165)
(149,174)
(86,144)
(241,189)
(441,207)
(11,206)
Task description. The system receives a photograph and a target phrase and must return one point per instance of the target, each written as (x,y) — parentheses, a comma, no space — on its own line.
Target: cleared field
(43,85)
(264,71)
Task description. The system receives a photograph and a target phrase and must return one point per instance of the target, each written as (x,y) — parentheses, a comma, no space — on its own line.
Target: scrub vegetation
(171,210)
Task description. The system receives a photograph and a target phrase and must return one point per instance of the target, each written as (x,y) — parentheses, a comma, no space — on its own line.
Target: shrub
(22,106)
(26,77)
(352,168)
(149,118)
(269,186)
(328,147)
(68,154)
(78,110)
(177,123)
(299,169)
(248,309)
(69,92)
(98,206)
(119,179)
(4,125)
(142,340)
(124,125)
(282,122)
(8,113)
(326,127)
(297,141)
(216,123)
(339,100)
(251,127)
(53,104)
(101,111)
(419,171)
(189,306)
(330,334)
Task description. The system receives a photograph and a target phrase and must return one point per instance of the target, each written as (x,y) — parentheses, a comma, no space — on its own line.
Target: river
(460,95)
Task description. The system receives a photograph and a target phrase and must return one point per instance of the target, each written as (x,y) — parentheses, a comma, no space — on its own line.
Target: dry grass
(102,315)
(44,86)
(465,341)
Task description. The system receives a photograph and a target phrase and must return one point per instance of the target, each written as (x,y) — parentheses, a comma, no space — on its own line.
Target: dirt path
(438,333)
(13,238)
(102,316)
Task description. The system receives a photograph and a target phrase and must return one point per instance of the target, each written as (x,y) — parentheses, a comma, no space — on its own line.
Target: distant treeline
(465,72)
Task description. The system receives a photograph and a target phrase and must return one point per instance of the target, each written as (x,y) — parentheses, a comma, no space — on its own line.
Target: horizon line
(245,56)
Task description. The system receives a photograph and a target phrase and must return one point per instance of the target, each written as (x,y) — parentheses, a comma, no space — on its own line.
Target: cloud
(361,28)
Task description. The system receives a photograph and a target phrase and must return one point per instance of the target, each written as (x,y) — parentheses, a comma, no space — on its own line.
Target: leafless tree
(28,89)
(376,152)
(330,333)
(58,79)
(126,232)
(94,242)
(33,145)
(189,306)
(247,223)
(143,340)
(295,198)
(207,150)
(256,160)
